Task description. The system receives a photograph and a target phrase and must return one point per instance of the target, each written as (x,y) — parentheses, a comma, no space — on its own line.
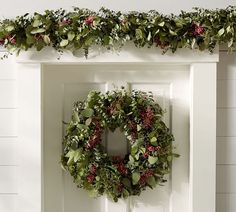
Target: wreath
(140,118)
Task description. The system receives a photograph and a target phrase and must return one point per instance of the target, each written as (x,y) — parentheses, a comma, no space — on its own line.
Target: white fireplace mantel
(202,121)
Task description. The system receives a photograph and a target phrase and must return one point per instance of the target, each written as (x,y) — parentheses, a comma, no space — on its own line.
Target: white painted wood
(129,53)
(30,159)
(8,153)
(197,200)
(226,96)
(73,84)
(8,180)
(8,125)
(7,70)
(202,137)
(225,152)
(8,94)
(8,202)
(225,202)
(227,66)
(226,121)
(225,181)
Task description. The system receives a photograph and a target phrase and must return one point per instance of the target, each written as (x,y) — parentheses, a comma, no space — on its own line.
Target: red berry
(89,20)
(90,178)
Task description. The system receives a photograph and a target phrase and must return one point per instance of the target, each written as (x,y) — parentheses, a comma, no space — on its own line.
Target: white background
(226,105)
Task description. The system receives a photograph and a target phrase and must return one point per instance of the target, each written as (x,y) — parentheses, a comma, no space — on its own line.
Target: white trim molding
(202,68)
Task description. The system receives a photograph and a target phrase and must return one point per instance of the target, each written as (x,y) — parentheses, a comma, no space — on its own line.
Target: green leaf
(82,126)
(138,34)
(131,159)
(71,36)
(135,177)
(161,24)
(172,32)
(64,43)
(221,32)
(154,139)
(151,181)
(88,121)
(70,155)
(77,155)
(76,117)
(46,39)
(152,159)
(9,28)
(39,30)
(88,112)
(149,36)
(169,158)
(126,182)
(139,127)
(134,150)
(37,23)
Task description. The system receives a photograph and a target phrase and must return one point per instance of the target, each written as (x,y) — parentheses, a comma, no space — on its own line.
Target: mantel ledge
(128,54)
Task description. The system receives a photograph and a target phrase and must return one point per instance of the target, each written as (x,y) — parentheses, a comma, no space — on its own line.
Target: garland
(139,117)
(201,29)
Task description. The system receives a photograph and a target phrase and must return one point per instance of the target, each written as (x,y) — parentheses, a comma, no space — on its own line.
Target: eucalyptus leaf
(64,43)
(88,112)
(151,181)
(221,32)
(135,177)
(46,39)
(152,159)
(38,30)
(71,35)
(9,28)
(37,23)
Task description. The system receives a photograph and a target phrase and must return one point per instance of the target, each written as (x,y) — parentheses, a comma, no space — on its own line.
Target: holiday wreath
(140,118)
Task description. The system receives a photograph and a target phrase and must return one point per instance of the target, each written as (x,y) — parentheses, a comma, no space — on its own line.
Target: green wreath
(140,118)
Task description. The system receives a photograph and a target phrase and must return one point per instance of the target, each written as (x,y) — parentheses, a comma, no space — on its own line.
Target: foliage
(139,117)
(79,29)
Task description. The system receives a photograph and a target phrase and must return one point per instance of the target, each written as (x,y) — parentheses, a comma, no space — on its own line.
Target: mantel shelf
(127,54)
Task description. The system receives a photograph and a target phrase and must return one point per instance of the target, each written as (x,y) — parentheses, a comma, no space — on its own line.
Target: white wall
(226,107)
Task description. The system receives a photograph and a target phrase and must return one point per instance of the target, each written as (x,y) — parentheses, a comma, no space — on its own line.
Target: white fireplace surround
(202,117)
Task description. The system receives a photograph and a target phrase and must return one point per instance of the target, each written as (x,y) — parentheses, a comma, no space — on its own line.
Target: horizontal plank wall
(8,136)
(226,133)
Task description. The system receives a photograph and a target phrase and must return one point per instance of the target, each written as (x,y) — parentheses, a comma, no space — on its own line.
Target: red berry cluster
(147,117)
(121,168)
(120,188)
(159,43)
(11,39)
(144,176)
(95,138)
(65,22)
(150,149)
(197,30)
(89,20)
(133,128)
(92,173)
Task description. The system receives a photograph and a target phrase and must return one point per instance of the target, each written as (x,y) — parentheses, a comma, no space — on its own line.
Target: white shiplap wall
(226,135)
(8,136)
